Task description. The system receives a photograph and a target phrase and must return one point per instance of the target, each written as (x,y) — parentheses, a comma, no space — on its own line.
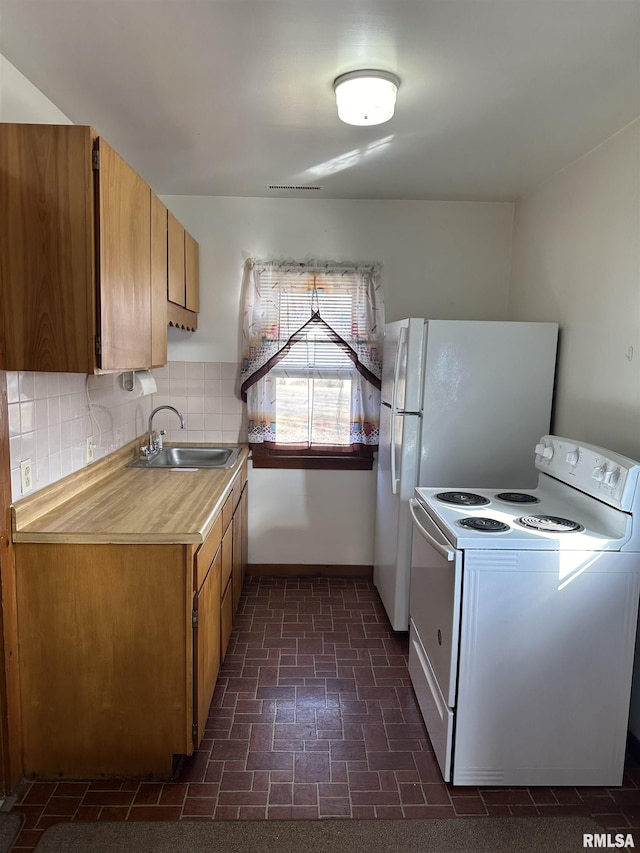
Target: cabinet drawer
(226,618)
(438,717)
(206,552)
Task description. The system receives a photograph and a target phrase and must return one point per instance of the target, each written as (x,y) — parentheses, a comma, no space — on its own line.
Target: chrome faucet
(154,446)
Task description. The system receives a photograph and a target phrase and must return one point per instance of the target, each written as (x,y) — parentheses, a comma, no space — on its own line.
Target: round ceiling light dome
(366,97)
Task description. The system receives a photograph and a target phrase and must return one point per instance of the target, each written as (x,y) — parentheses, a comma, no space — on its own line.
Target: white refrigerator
(464,403)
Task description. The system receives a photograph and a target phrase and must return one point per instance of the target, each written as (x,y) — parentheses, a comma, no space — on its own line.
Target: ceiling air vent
(291,187)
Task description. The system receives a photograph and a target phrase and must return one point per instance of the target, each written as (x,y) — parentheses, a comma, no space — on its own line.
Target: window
(312,363)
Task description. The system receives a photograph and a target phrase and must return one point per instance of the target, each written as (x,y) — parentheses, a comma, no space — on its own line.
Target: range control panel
(606,475)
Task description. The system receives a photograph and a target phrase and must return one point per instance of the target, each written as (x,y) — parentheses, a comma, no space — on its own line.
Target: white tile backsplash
(202,392)
(51,415)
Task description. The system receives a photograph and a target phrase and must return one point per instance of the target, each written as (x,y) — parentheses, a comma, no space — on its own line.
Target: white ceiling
(223,97)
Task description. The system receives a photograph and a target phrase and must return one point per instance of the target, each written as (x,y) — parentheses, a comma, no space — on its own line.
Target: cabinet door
(47,266)
(226,618)
(244,538)
(159,274)
(105,658)
(227,555)
(226,605)
(176,284)
(207,644)
(124,240)
(238,527)
(192,273)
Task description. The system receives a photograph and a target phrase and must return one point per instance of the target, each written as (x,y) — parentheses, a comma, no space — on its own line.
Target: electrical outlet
(90,449)
(26,478)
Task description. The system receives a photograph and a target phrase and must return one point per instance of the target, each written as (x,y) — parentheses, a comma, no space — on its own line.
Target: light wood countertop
(110,503)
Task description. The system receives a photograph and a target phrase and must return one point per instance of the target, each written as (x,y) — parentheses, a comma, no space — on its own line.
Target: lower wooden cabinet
(206,664)
(234,558)
(120,646)
(239,547)
(226,602)
(226,617)
(105,646)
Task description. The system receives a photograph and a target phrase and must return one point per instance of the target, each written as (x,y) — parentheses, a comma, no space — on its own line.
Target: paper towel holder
(138,383)
(128,380)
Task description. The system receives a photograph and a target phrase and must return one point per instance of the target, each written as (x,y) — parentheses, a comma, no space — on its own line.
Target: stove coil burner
(517,498)
(462,498)
(550,524)
(484,525)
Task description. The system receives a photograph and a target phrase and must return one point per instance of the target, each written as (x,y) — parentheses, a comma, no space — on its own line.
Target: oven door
(435,595)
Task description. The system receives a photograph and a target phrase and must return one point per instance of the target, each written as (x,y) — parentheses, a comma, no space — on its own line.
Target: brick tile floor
(313,717)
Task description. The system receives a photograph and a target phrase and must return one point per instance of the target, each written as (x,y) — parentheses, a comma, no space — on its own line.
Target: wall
(440,260)
(576,260)
(21,102)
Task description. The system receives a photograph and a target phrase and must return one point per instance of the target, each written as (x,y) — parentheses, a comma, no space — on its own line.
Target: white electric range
(523,608)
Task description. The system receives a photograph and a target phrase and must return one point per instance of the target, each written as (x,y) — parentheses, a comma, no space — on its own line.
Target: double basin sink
(189,457)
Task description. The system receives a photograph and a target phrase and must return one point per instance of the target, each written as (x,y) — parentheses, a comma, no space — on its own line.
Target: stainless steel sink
(194,456)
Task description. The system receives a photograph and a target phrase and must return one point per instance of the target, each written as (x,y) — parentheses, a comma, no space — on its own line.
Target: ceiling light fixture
(366,97)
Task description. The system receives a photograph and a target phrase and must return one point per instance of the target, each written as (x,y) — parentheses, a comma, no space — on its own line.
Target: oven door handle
(442,547)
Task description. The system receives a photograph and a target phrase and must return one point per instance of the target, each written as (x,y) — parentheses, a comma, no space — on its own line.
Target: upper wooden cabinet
(192,273)
(80,263)
(159,275)
(123,263)
(175,241)
(183,285)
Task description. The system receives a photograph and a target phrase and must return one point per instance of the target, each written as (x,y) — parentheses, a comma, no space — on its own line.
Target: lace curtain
(312,353)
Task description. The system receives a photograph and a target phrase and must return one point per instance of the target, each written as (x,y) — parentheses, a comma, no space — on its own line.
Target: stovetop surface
(491,518)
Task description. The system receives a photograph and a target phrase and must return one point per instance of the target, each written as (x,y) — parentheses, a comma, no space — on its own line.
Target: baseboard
(313,570)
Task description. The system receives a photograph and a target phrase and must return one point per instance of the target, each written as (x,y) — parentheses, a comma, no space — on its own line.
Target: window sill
(312,461)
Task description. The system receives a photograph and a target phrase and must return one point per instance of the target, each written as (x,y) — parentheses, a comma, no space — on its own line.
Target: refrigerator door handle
(402,342)
(439,546)
(395,480)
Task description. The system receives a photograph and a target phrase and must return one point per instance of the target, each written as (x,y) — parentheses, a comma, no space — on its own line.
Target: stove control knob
(544,450)
(573,456)
(611,477)
(599,474)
